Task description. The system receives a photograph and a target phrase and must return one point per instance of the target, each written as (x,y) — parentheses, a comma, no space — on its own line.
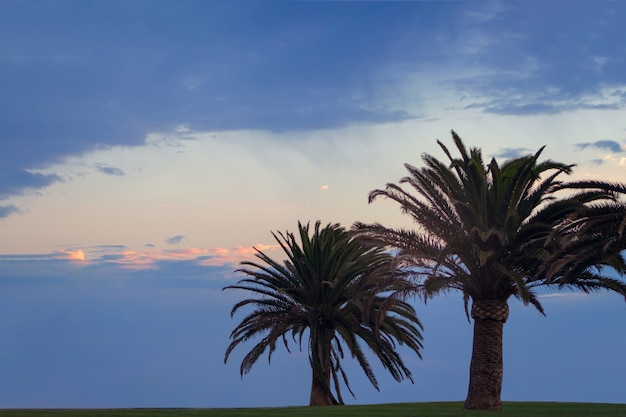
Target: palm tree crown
(487,231)
(338,290)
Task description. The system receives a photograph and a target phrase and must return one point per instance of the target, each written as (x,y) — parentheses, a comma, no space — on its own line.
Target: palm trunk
(320,385)
(320,394)
(486,368)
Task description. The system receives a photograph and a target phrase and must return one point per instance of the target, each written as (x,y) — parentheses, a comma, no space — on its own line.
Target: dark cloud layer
(16,181)
(76,75)
(551,58)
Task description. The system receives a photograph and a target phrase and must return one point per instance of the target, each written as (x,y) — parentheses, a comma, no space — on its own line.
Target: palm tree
(486,231)
(338,292)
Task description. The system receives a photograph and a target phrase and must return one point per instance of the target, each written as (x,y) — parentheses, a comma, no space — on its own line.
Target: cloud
(510,153)
(26,257)
(108,247)
(115,83)
(563,297)
(223,256)
(6,211)
(109,170)
(57,257)
(18,181)
(535,103)
(72,255)
(152,258)
(62,268)
(535,60)
(320,68)
(101,251)
(611,145)
(612,159)
(175,240)
(324,187)
(149,258)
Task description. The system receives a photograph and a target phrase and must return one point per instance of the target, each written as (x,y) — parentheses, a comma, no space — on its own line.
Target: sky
(146,147)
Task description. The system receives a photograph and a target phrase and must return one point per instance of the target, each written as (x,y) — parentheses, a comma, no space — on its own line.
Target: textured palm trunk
(320,394)
(486,367)
(320,385)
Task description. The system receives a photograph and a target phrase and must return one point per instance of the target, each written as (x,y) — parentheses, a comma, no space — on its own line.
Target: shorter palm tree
(339,292)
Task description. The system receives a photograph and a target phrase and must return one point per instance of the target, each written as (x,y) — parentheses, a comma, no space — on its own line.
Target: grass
(444,409)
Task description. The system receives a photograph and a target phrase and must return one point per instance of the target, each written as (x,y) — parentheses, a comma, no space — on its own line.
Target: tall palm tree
(486,231)
(338,292)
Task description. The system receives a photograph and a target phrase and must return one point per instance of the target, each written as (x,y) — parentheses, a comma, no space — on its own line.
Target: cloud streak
(19,181)
(610,145)
(6,211)
(511,153)
(148,258)
(109,170)
(223,256)
(539,62)
(175,240)
(71,255)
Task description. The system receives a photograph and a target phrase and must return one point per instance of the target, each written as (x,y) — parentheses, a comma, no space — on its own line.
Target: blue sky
(146,146)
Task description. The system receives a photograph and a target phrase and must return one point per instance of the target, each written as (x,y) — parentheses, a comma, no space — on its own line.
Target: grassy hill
(445,409)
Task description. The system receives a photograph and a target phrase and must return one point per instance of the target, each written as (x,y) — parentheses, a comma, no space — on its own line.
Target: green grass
(446,409)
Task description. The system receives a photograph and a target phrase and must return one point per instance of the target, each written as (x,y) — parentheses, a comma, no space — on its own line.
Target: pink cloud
(72,255)
(223,256)
(148,258)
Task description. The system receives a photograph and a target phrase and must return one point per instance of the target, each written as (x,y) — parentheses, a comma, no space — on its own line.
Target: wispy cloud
(597,162)
(563,296)
(72,255)
(149,257)
(27,257)
(6,211)
(612,159)
(17,182)
(175,240)
(545,67)
(511,153)
(63,254)
(109,170)
(607,152)
(223,256)
(610,145)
